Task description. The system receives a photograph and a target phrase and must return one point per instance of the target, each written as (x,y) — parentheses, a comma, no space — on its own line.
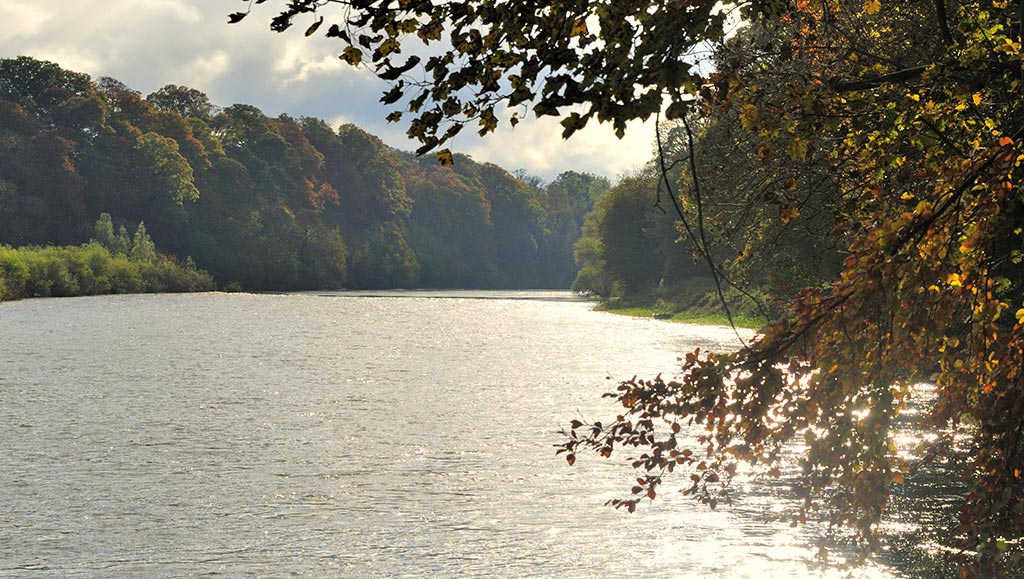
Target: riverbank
(691,316)
(694,300)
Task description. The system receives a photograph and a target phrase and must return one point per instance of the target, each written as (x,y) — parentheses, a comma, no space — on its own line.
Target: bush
(90,270)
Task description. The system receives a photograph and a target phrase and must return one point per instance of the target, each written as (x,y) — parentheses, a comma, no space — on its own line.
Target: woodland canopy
(266,203)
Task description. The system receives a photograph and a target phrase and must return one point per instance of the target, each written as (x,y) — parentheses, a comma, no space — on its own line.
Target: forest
(850,166)
(259,203)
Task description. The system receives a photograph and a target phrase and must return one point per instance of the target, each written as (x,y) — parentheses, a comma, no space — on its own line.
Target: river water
(399,434)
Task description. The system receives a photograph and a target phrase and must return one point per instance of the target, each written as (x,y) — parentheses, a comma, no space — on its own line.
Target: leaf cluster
(894,136)
(583,61)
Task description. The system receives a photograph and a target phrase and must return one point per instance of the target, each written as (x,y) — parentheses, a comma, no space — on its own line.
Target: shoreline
(684,317)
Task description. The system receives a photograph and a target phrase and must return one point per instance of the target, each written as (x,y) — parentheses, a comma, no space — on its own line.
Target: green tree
(104,233)
(172,172)
(567,200)
(143,248)
(182,100)
(593,276)
(450,228)
(385,260)
(123,245)
(630,247)
(36,84)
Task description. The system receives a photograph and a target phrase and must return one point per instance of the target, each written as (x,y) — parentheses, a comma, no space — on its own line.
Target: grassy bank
(691,301)
(706,318)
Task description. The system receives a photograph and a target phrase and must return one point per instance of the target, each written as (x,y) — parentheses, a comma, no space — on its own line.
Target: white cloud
(21,19)
(205,69)
(537,146)
(300,62)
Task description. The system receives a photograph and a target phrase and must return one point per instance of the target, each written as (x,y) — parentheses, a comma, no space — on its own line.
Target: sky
(147,44)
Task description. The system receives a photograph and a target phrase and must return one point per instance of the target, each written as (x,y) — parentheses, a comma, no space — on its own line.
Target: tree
(171,172)
(123,244)
(143,248)
(630,247)
(567,200)
(385,260)
(185,101)
(117,244)
(34,84)
(264,203)
(629,236)
(917,110)
(104,233)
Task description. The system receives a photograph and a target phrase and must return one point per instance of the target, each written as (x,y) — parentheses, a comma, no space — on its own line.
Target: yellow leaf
(445,158)
(872,6)
(352,55)
(797,148)
(897,477)
(579,27)
(388,46)
(977,98)
(954,280)
(1020,316)
(748,116)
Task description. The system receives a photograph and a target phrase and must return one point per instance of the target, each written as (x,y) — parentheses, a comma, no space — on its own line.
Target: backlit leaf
(444,157)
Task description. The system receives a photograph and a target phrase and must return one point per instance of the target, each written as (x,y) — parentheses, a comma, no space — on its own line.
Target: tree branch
(942,17)
(866,83)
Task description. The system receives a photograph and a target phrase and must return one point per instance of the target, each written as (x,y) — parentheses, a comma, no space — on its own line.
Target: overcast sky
(147,44)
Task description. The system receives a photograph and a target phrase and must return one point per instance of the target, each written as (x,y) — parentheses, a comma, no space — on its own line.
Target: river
(394,434)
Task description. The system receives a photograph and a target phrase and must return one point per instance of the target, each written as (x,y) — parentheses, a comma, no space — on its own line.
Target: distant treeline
(260,203)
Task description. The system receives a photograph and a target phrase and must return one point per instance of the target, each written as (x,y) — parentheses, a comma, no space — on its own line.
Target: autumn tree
(911,112)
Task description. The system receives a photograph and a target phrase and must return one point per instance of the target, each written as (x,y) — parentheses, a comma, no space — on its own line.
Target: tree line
(268,203)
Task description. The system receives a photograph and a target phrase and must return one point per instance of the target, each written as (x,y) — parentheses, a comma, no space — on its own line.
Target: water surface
(391,434)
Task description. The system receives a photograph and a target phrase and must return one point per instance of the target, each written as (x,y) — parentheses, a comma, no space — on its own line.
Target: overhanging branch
(866,83)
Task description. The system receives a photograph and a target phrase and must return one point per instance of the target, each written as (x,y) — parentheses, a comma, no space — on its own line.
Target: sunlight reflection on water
(383,434)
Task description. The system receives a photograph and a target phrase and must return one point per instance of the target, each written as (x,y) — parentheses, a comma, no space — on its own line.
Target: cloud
(537,146)
(20,20)
(150,44)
